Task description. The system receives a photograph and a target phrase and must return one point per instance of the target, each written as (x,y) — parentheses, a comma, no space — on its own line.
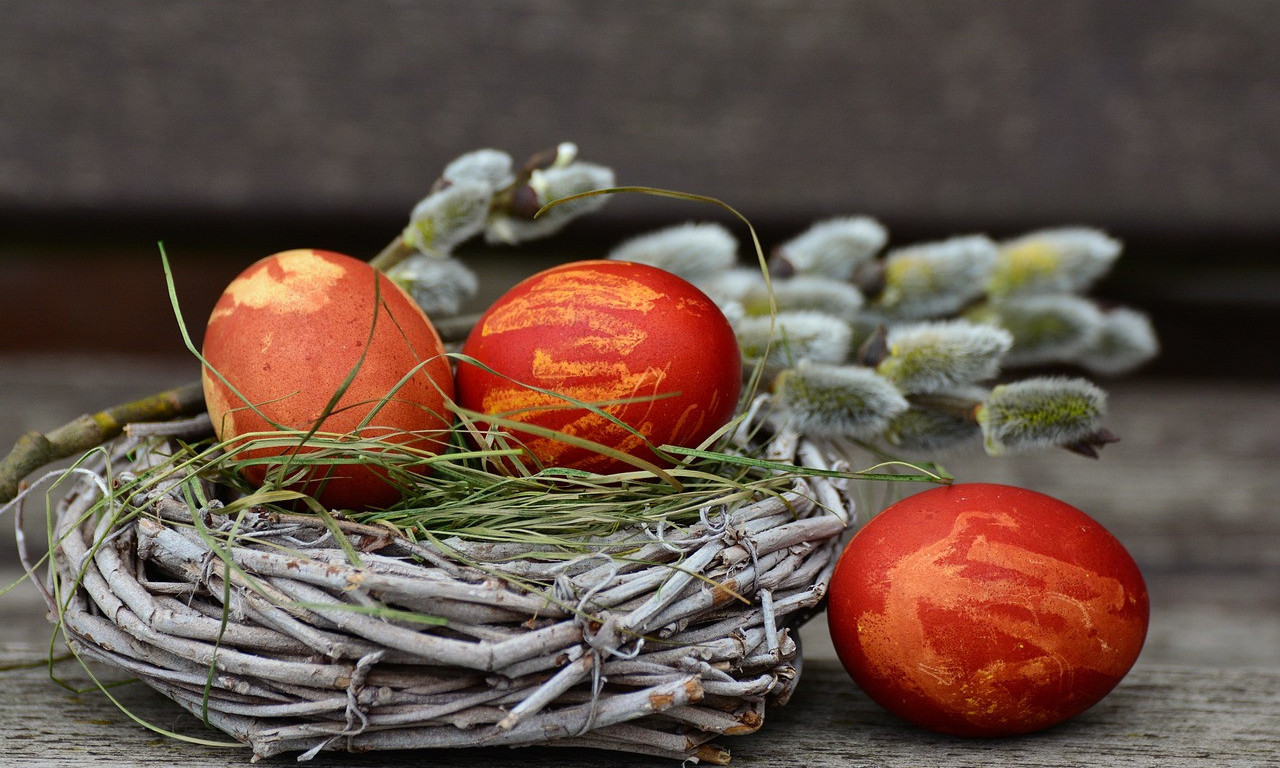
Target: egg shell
(286,334)
(601,331)
(985,610)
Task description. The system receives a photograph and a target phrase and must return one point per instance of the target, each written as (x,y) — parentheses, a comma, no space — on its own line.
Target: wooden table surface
(1190,490)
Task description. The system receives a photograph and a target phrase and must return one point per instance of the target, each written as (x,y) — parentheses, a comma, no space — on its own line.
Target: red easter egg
(986,610)
(602,332)
(284,337)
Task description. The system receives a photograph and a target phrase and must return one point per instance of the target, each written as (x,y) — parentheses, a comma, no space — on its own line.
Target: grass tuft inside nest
(480,489)
(465,493)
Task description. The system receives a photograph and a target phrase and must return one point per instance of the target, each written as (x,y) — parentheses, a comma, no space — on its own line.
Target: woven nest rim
(261,624)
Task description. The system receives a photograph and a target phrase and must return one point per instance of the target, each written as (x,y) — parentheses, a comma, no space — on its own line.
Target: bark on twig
(658,642)
(36,449)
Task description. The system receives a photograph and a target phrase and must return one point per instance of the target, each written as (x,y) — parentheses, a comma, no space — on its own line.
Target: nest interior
(654,639)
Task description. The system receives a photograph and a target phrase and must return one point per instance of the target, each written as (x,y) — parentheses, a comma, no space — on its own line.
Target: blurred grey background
(232,130)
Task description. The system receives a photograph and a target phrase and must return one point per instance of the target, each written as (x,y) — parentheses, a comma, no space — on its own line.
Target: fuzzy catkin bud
(930,357)
(546,186)
(732,286)
(1125,341)
(936,279)
(804,293)
(1046,329)
(1063,260)
(557,183)
(1040,412)
(789,337)
(444,219)
(833,249)
(694,251)
(833,400)
(441,286)
(923,429)
(489,166)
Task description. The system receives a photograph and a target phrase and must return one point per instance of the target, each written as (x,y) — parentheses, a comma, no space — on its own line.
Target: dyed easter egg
(986,610)
(623,355)
(290,332)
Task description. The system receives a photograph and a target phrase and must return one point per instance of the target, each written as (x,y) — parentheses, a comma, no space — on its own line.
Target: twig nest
(297,634)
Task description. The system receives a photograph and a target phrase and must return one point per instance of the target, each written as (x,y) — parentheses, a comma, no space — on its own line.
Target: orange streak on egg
(986,610)
(287,335)
(934,577)
(568,300)
(644,346)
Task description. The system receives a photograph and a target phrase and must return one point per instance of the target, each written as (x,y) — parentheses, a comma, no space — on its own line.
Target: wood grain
(1158,716)
(968,113)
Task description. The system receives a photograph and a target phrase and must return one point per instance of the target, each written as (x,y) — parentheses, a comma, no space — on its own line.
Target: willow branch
(395,252)
(960,407)
(36,449)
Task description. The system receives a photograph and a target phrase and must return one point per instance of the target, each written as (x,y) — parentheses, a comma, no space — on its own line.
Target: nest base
(655,641)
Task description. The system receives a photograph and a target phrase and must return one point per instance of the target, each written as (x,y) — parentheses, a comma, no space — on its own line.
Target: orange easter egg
(654,356)
(285,336)
(986,610)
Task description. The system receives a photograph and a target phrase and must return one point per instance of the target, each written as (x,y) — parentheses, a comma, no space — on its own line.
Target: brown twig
(395,252)
(36,449)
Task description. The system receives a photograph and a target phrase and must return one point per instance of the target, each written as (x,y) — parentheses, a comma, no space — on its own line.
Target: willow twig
(36,449)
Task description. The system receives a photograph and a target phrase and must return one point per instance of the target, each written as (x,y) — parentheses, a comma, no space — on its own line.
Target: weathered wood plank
(1158,716)
(1190,486)
(236,129)
(971,112)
